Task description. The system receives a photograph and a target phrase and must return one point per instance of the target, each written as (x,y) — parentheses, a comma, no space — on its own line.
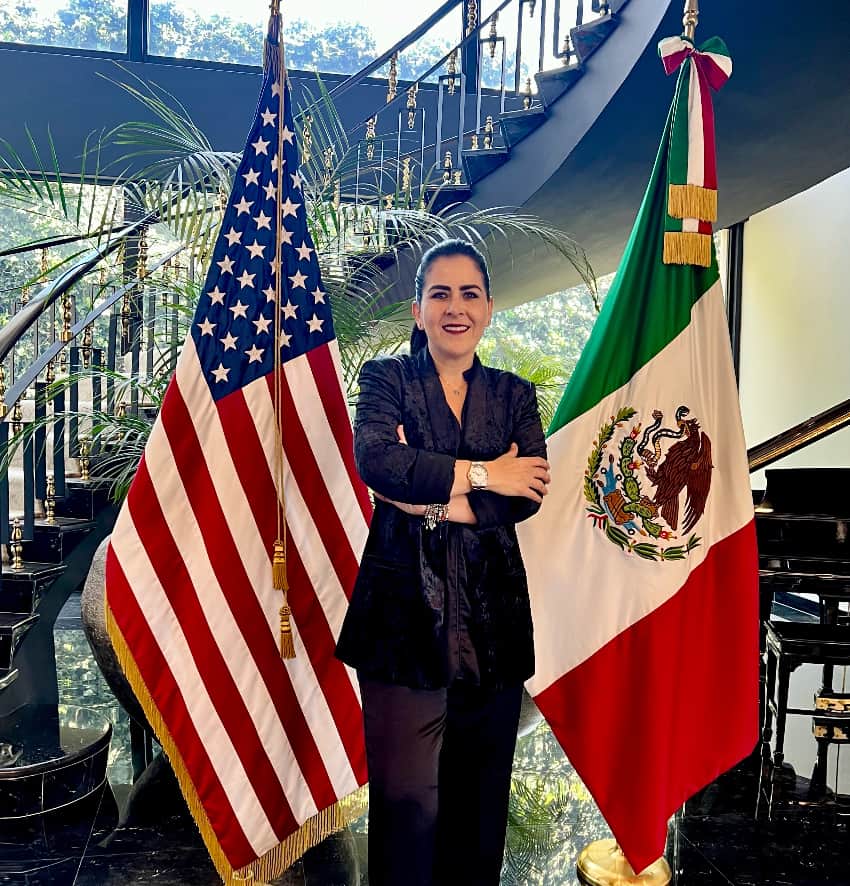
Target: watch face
(477,475)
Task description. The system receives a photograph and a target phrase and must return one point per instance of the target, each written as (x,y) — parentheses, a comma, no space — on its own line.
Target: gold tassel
(287,641)
(687,248)
(692,201)
(279,581)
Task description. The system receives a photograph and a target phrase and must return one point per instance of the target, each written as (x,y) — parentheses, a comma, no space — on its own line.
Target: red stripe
(327,381)
(227,564)
(167,562)
(708,135)
(250,459)
(164,692)
(669,704)
(313,486)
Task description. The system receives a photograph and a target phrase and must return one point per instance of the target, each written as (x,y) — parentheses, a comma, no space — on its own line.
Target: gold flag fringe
(692,201)
(687,248)
(274,862)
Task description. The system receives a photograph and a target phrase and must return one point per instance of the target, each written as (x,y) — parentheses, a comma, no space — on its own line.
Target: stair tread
(31,569)
(11,620)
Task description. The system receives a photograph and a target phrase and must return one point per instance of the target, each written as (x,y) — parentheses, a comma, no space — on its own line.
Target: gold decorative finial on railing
(411,105)
(306,138)
(67,316)
(474,142)
(85,462)
(488,133)
(86,346)
(451,70)
(493,38)
(690,18)
(50,501)
(371,124)
(447,168)
(392,80)
(328,158)
(405,181)
(17,418)
(17,545)
(142,260)
(471,16)
(389,201)
(337,198)
(50,372)
(526,96)
(3,407)
(457,175)
(125,317)
(25,294)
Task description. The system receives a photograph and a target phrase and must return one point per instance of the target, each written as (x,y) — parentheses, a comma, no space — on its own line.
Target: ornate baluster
(457,177)
(526,96)
(388,201)
(488,133)
(411,105)
(85,461)
(328,157)
(40,439)
(493,37)
(471,16)
(566,50)
(17,545)
(371,125)
(405,181)
(451,70)
(25,294)
(74,403)
(17,418)
(45,262)
(474,142)
(4,488)
(59,443)
(3,408)
(86,348)
(50,502)
(447,168)
(337,198)
(50,372)
(392,80)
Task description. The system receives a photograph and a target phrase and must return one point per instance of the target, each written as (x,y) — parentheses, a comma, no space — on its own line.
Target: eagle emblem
(637,478)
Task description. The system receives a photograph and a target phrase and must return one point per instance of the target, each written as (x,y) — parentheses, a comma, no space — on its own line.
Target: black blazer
(396,626)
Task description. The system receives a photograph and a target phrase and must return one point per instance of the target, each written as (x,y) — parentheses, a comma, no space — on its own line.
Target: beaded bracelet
(435,514)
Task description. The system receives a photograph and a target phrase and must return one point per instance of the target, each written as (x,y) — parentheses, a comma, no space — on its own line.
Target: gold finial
(392,80)
(85,462)
(67,312)
(45,261)
(411,105)
(526,97)
(25,294)
(566,50)
(457,174)
(3,407)
(50,373)
(328,157)
(337,194)
(405,175)
(371,124)
(471,16)
(493,35)
(125,317)
(447,168)
(388,201)
(451,70)
(17,545)
(121,411)
(50,501)
(690,18)
(474,142)
(17,418)
(488,133)
(306,138)
(101,276)
(142,261)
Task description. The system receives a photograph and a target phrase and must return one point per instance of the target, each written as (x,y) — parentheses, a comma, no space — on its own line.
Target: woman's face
(455,309)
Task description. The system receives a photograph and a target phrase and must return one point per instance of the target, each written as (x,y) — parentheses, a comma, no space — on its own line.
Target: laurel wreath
(644,549)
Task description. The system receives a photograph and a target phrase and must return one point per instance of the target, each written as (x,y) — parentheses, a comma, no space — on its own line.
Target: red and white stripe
(267,742)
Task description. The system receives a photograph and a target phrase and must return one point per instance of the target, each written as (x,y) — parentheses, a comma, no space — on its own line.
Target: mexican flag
(642,562)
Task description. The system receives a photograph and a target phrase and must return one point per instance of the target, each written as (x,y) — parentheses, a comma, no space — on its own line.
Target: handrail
(41,361)
(29,313)
(50,242)
(796,438)
(381,60)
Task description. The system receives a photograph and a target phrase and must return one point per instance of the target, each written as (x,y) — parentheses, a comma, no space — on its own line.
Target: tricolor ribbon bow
(691,162)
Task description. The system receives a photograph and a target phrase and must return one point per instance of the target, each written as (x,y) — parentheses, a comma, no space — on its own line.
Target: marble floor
(126,837)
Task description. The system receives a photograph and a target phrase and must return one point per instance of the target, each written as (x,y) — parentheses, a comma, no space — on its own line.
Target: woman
(439,625)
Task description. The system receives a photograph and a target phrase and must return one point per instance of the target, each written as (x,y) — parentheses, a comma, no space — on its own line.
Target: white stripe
(305,536)
(724,62)
(243,527)
(592,591)
(314,419)
(229,639)
(696,136)
(172,643)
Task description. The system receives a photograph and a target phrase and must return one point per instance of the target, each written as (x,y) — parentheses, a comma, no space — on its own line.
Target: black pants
(439,781)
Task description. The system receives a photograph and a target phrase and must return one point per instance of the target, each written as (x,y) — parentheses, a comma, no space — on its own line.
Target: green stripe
(648,305)
(677,170)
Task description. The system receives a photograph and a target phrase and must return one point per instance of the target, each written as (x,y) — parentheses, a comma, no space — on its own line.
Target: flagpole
(690,18)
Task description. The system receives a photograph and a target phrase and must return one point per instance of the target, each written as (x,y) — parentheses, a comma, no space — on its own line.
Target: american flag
(263,747)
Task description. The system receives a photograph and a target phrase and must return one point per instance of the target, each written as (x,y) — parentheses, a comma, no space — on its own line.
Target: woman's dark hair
(444,249)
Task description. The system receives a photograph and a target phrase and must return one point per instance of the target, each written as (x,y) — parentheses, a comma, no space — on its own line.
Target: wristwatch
(477,475)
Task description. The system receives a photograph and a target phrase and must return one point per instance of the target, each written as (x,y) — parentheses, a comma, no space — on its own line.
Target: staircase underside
(783,124)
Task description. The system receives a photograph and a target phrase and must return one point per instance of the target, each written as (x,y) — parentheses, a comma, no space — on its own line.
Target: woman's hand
(526,476)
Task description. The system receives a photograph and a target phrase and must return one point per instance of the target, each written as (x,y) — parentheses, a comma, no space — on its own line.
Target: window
(75,24)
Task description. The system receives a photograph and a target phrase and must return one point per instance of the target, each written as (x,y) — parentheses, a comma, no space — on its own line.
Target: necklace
(447,386)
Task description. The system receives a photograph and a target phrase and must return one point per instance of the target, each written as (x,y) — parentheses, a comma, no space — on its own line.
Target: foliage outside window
(75,24)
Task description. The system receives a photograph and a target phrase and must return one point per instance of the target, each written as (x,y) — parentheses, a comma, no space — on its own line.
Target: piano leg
(785,669)
(818,784)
